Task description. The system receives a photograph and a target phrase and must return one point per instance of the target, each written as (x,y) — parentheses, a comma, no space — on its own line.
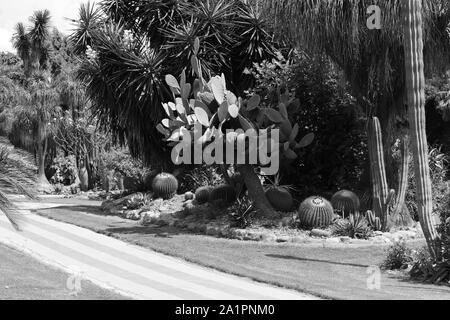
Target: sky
(14,11)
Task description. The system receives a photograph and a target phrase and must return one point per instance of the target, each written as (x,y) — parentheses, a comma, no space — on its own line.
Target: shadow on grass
(127,227)
(95,210)
(276,256)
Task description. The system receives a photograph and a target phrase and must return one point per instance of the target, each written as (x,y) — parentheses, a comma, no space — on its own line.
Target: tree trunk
(43,186)
(415,90)
(256,191)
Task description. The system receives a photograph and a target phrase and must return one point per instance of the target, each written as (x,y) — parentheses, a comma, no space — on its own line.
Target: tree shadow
(121,226)
(276,256)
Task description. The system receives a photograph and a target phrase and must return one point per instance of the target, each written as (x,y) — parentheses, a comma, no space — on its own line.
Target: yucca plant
(134,44)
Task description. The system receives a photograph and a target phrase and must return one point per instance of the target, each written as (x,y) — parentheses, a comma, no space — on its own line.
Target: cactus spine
(415,91)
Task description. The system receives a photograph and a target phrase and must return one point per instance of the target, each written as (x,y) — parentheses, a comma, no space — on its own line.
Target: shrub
(438,162)
(338,155)
(133,170)
(64,170)
(241,212)
(198,177)
(399,256)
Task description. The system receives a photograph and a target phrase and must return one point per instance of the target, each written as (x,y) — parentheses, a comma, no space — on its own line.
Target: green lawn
(24,278)
(338,273)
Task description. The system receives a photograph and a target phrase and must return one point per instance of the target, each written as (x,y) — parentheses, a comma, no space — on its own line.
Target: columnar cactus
(374,221)
(380,188)
(415,91)
(386,203)
(165,186)
(346,202)
(315,212)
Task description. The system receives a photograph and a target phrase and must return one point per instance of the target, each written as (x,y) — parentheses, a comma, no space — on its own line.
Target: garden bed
(219,222)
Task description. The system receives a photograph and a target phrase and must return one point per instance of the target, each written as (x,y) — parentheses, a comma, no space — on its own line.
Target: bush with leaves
(323,106)
(399,256)
(65,170)
(120,161)
(438,162)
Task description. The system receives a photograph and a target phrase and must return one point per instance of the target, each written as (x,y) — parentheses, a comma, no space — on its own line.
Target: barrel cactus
(224,194)
(280,198)
(345,201)
(202,194)
(315,212)
(165,186)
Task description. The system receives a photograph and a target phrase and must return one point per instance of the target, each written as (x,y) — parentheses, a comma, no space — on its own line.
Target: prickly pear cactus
(346,202)
(165,186)
(315,212)
(280,198)
(223,194)
(202,194)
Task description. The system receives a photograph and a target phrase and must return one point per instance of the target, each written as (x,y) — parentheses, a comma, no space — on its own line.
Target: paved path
(127,269)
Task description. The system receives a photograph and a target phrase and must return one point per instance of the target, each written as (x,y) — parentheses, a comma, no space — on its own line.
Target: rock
(189,207)
(333,240)
(133,214)
(345,239)
(287,222)
(212,231)
(149,217)
(268,237)
(116,211)
(189,196)
(320,233)
(282,239)
(299,239)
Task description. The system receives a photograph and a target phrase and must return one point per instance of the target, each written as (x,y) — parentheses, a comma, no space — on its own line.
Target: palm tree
(21,43)
(139,42)
(38,35)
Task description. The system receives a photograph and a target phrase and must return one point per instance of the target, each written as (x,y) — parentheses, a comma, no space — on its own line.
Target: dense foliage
(129,46)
